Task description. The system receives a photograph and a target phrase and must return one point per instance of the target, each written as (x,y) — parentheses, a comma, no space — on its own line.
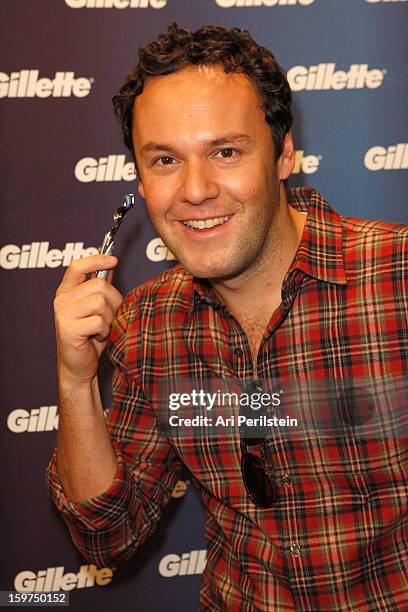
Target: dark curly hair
(232,48)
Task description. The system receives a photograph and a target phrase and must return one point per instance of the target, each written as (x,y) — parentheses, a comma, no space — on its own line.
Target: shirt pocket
(215,464)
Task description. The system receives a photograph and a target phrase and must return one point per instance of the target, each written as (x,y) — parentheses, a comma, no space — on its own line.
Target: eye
(228,153)
(164,160)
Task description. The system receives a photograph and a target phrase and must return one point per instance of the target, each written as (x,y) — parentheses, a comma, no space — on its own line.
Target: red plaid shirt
(337,536)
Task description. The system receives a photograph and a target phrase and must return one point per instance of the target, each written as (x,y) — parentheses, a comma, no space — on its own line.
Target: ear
(286,160)
(140,188)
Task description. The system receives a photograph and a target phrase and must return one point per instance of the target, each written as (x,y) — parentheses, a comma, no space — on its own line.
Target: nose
(198,184)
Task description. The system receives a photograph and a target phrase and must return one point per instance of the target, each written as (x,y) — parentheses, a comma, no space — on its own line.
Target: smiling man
(206,173)
(212,190)
(271,286)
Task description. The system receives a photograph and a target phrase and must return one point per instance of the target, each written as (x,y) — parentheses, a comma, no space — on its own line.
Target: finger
(79,268)
(91,327)
(88,289)
(96,304)
(102,337)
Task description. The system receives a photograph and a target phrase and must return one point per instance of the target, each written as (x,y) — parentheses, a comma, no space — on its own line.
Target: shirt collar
(204,293)
(320,251)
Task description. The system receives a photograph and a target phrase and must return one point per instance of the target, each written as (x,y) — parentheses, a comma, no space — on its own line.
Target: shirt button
(286,480)
(238,351)
(295,549)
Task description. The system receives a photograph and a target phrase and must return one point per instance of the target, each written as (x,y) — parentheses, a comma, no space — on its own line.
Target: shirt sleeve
(108,528)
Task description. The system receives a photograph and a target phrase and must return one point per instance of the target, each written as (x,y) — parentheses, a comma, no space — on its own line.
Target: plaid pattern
(337,537)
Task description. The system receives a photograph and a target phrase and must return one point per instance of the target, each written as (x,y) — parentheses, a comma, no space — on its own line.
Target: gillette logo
(109,168)
(117,4)
(188,564)
(39,255)
(307,164)
(180,489)
(395,157)
(37,419)
(245,3)
(157,251)
(325,77)
(46,419)
(54,579)
(27,84)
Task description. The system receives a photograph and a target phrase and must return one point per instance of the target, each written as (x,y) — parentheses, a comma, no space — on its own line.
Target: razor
(109,239)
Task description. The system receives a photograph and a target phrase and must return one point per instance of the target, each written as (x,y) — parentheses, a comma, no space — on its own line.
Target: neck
(259,288)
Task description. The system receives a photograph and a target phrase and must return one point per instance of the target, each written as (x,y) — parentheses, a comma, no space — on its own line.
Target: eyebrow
(151,147)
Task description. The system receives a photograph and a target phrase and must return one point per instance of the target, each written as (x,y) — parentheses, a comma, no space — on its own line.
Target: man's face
(206,160)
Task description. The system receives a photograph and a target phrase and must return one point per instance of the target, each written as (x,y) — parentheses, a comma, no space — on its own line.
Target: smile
(199,224)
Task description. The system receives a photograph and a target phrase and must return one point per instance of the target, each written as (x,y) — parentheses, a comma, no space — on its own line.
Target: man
(270,287)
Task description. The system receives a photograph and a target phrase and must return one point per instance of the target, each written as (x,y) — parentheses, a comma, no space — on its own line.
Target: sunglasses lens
(257,482)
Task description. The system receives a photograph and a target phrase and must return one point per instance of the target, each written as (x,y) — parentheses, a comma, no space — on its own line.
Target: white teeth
(207,223)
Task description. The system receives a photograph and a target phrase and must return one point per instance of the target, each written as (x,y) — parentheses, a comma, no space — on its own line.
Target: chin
(210,272)
(200,269)
(211,265)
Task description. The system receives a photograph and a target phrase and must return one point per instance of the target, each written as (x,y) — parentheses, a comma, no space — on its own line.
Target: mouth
(204,224)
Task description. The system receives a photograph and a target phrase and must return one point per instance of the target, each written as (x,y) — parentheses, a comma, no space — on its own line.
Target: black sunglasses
(257,480)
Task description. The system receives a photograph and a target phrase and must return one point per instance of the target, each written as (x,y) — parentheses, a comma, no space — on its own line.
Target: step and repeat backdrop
(64,170)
